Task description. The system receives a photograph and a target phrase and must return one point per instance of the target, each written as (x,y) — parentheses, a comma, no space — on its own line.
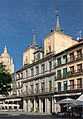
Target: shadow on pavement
(24,116)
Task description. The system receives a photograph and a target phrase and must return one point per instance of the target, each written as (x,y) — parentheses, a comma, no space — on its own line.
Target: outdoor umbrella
(67,101)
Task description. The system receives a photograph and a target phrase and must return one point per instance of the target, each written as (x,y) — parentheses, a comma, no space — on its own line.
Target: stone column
(40,105)
(34,105)
(29,105)
(24,104)
(47,105)
(54,105)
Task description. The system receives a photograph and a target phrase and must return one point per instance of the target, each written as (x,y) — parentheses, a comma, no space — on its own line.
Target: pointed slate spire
(58,22)
(34,44)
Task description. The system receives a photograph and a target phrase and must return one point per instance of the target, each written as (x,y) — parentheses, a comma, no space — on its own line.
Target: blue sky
(19,17)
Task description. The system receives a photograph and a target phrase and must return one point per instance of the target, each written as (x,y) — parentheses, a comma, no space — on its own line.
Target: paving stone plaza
(28,115)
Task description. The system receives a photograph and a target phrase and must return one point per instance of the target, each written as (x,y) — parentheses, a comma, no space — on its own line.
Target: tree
(5,80)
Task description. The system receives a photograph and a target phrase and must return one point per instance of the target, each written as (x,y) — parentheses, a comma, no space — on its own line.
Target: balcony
(38,92)
(40,75)
(69,60)
(69,89)
(70,74)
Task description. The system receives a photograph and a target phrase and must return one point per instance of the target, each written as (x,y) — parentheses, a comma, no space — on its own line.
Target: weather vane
(56,11)
(33,30)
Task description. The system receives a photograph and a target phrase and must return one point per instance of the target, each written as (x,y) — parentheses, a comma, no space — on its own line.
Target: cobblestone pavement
(26,115)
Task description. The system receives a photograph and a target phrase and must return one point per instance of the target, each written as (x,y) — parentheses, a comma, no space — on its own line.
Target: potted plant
(37,109)
(32,109)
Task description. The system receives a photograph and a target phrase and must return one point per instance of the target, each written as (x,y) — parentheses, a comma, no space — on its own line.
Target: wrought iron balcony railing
(70,88)
(68,60)
(70,74)
(38,91)
(42,74)
(55,90)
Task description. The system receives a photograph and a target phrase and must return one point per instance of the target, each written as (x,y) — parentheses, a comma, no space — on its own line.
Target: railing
(70,74)
(69,88)
(38,92)
(75,58)
(48,72)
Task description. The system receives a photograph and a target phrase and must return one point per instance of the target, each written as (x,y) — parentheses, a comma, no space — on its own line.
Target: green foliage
(32,109)
(5,81)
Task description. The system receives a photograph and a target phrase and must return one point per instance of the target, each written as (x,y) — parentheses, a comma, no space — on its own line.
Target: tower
(6,60)
(57,41)
(28,55)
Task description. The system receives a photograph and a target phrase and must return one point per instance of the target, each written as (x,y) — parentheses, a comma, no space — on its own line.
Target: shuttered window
(64,72)
(59,74)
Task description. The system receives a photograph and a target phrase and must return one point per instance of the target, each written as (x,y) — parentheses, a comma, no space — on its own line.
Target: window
(37,88)
(72,56)
(71,84)
(49,48)
(50,85)
(21,75)
(50,65)
(79,68)
(38,55)
(26,73)
(79,54)
(72,69)
(21,84)
(42,87)
(59,86)
(26,88)
(18,76)
(79,83)
(31,88)
(65,85)
(59,74)
(64,59)
(18,84)
(18,92)
(32,72)
(59,61)
(37,70)
(42,68)
(64,72)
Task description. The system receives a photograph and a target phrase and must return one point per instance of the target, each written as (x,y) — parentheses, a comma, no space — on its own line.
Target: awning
(17,99)
(80,98)
(10,105)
